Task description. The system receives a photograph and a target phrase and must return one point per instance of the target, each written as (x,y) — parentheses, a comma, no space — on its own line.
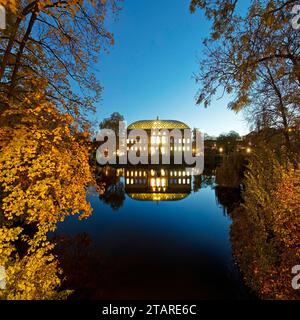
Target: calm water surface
(133,249)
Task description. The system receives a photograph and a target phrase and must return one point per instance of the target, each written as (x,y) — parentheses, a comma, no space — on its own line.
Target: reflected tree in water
(229,198)
(197,183)
(111,188)
(82,265)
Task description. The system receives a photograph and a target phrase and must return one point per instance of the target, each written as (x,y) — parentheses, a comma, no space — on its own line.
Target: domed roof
(158,124)
(158,196)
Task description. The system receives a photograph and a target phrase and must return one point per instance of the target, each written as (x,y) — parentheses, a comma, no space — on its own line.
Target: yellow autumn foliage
(44,175)
(265,232)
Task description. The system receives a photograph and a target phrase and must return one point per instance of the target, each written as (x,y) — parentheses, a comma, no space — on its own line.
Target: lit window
(183,181)
(152,182)
(163,182)
(179,181)
(158,182)
(132,181)
(128,181)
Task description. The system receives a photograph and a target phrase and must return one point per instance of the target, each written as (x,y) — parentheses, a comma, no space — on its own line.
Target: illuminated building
(153,184)
(157,140)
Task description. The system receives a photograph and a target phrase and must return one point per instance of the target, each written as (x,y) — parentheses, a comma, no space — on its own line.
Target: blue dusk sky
(149,71)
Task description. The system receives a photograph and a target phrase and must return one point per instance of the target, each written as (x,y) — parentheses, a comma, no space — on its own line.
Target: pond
(155,233)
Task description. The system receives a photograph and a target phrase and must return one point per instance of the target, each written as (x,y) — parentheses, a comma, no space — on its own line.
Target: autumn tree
(265,231)
(47,88)
(274,102)
(54,45)
(254,58)
(251,56)
(44,176)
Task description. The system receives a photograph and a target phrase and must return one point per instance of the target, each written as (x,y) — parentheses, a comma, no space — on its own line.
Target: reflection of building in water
(158,184)
(157,139)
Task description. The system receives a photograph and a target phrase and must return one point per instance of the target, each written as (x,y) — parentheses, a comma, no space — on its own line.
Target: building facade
(157,139)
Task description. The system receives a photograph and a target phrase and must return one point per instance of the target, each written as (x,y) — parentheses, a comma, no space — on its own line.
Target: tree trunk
(20,52)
